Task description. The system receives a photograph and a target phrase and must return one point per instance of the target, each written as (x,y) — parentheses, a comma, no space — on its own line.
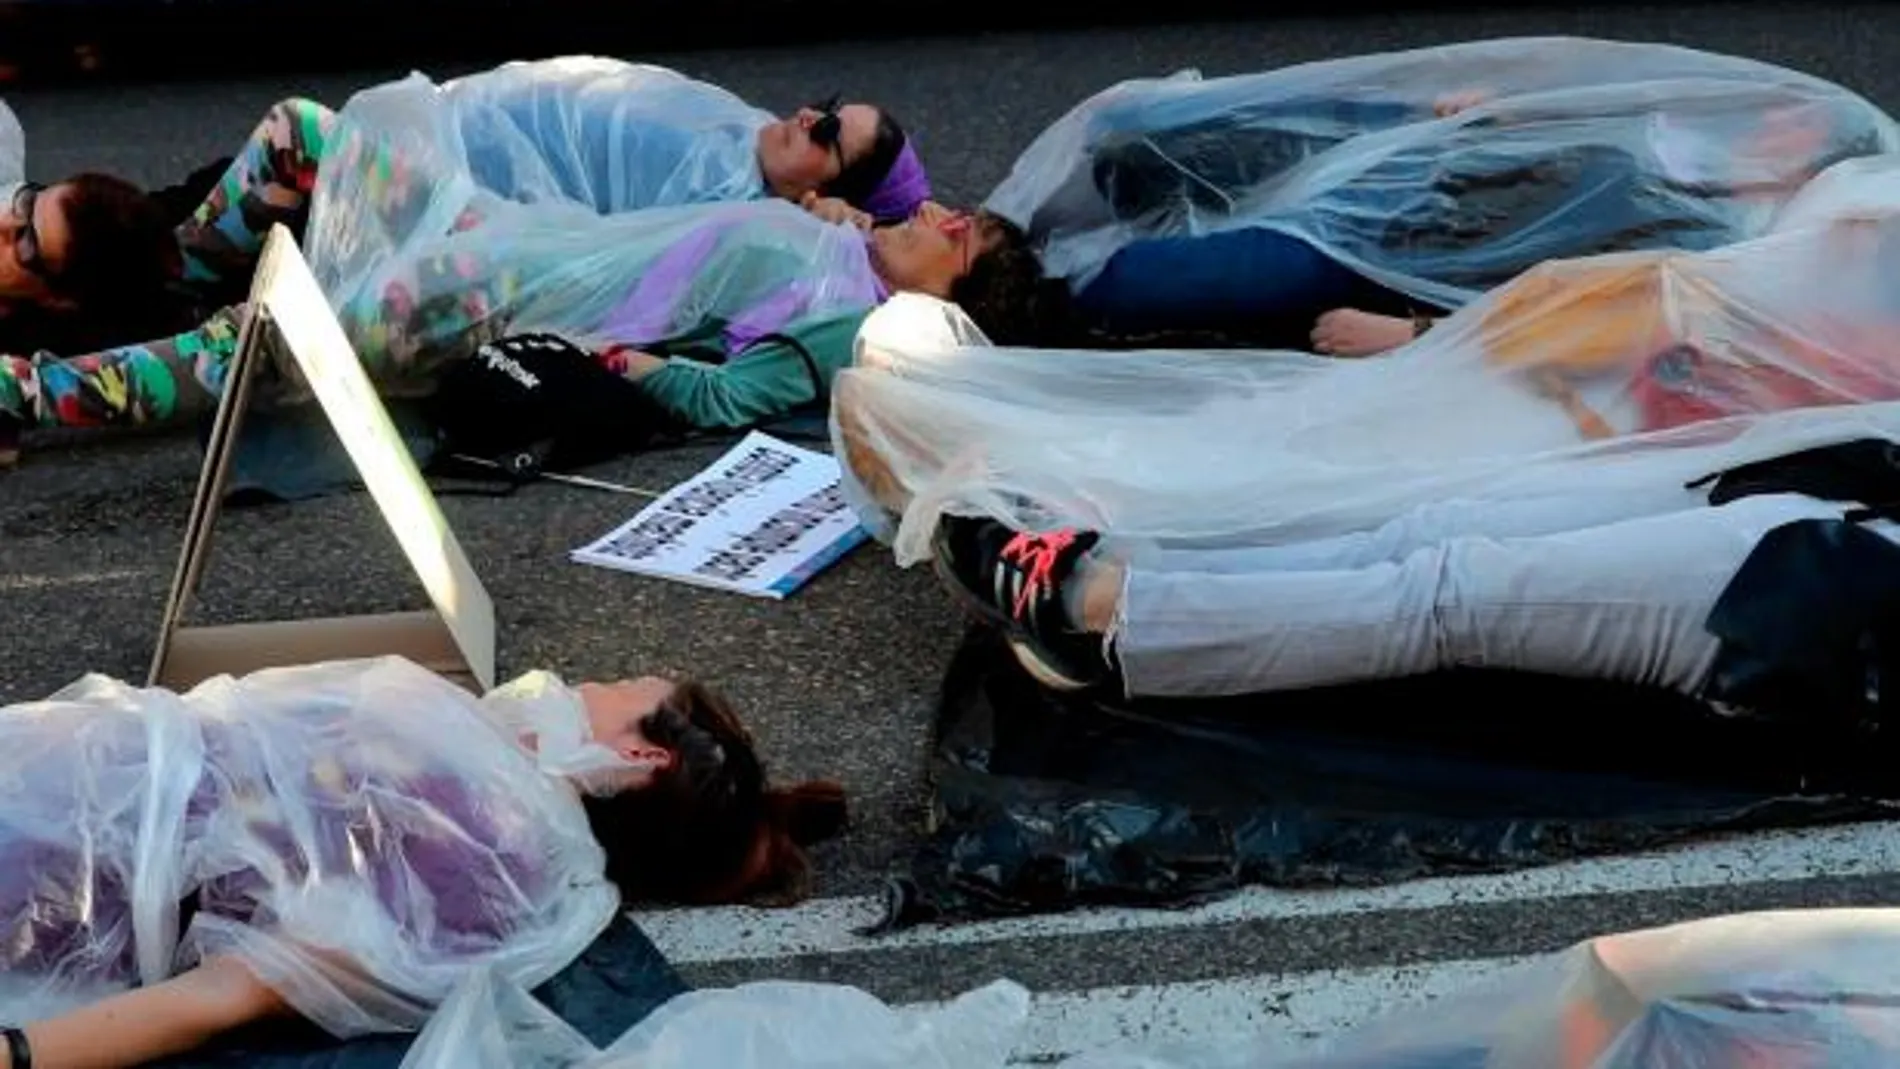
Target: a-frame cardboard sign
(455,639)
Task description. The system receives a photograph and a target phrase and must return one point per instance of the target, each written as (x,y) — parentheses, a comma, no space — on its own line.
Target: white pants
(1619,597)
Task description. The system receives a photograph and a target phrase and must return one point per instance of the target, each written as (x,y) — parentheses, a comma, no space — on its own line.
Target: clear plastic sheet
(424,262)
(1792,988)
(615,135)
(1573,147)
(12,148)
(489,1023)
(1806,988)
(361,834)
(1609,382)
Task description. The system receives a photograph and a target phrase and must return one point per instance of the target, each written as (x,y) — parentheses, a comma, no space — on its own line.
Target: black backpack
(534,403)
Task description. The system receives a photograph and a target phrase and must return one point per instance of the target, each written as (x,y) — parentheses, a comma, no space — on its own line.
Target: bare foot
(1461,100)
(1350,332)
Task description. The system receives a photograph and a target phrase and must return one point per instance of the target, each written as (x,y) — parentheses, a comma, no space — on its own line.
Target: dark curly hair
(1010,299)
(709,829)
(123,264)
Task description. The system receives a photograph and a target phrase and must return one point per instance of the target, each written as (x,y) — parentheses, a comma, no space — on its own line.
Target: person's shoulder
(827,337)
(829,326)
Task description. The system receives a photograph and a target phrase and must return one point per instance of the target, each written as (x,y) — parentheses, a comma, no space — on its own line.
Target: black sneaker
(1013,580)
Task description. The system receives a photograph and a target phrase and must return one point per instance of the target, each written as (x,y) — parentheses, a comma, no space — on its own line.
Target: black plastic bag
(1047,802)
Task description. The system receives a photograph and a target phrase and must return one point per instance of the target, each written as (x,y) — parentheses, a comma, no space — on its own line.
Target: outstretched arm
(148,1023)
(769,380)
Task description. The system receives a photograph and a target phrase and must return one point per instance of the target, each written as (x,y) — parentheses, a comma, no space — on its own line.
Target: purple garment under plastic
(651,313)
(54,902)
(60,908)
(441,883)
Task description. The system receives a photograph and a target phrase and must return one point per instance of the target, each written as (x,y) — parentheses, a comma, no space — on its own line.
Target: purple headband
(904,187)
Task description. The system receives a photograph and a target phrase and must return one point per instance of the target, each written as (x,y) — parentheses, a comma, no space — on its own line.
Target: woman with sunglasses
(91,263)
(340,842)
(724,315)
(623,136)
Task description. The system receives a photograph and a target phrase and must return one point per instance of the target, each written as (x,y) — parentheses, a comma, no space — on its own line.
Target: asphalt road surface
(839,679)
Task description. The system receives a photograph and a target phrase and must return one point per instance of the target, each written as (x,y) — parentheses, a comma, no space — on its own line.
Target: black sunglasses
(26,240)
(826,131)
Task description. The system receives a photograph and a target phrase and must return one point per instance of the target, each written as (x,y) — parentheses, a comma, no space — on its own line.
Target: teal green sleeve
(766,382)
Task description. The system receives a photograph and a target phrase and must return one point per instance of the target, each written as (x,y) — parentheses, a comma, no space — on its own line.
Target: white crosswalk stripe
(1275,1011)
(1255,997)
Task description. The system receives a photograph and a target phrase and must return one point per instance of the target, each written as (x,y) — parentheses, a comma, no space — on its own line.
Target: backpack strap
(820,389)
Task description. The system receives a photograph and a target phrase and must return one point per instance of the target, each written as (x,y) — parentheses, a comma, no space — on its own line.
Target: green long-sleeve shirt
(768,381)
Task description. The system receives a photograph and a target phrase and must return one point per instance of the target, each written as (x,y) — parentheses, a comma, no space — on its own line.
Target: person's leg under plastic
(1209,148)
(436,310)
(269,182)
(1429,524)
(424,318)
(148,1023)
(1622,601)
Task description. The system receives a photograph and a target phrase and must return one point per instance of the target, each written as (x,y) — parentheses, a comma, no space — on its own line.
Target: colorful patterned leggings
(176,378)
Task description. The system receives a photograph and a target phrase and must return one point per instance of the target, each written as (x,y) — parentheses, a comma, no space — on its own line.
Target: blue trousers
(1257,286)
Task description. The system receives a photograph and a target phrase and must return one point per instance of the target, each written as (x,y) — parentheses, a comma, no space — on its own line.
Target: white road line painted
(828,926)
(1256,1013)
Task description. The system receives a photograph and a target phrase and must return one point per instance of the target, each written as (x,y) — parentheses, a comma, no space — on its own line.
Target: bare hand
(833,210)
(1349,332)
(1460,100)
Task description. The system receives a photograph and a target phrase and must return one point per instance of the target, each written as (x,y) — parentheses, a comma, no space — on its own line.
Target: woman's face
(33,243)
(802,153)
(931,250)
(617,715)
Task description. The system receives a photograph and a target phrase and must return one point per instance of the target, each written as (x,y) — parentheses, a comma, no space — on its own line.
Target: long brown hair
(710,829)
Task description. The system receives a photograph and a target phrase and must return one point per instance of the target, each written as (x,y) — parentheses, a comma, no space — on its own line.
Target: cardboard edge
(213,476)
(184,656)
(421,636)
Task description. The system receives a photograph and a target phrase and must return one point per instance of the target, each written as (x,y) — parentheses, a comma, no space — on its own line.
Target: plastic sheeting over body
(492,1024)
(445,217)
(614,135)
(360,834)
(1792,988)
(12,149)
(1616,378)
(1809,988)
(1574,147)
